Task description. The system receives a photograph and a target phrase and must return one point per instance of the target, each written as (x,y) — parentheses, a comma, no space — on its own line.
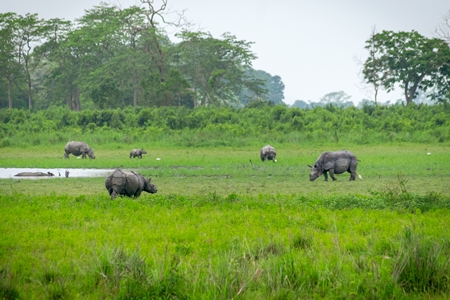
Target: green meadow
(225,225)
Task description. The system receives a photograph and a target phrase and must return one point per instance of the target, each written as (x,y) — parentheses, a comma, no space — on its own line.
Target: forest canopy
(113,57)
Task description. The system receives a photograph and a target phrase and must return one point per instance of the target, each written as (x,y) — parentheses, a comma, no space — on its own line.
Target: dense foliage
(412,61)
(226,126)
(112,57)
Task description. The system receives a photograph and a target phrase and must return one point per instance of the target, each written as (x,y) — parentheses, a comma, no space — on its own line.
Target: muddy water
(59,173)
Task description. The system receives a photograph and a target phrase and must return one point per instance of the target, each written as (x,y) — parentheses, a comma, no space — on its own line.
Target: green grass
(220,228)
(228,170)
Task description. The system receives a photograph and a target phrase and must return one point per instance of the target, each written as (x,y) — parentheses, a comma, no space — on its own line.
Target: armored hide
(128,184)
(124,183)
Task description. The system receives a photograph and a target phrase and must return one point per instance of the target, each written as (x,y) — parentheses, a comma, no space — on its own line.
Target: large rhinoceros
(78,148)
(336,163)
(128,184)
(137,153)
(268,152)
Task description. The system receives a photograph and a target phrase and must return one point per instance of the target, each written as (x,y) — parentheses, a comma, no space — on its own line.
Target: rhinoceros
(137,153)
(78,148)
(34,174)
(128,184)
(336,163)
(268,152)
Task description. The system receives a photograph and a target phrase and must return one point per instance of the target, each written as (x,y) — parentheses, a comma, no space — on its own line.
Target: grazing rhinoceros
(129,184)
(335,163)
(268,152)
(137,153)
(78,148)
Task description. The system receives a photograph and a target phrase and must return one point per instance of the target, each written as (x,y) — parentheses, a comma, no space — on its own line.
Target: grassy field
(222,227)
(226,170)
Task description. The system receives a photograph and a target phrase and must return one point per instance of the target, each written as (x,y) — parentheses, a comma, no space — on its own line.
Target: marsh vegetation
(223,224)
(220,227)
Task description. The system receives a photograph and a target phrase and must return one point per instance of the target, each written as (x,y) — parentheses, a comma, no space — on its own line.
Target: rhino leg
(352,170)
(66,155)
(332,174)
(325,175)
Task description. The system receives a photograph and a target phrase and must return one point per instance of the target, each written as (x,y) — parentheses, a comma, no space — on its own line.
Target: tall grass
(218,247)
(422,265)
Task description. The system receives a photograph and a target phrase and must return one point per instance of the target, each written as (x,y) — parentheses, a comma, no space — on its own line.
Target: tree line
(113,58)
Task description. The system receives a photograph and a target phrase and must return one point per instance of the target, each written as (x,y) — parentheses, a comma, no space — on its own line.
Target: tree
(29,35)
(301,104)
(410,60)
(443,30)
(55,63)
(273,85)
(339,99)
(216,68)
(99,59)
(373,69)
(19,36)
(9,65)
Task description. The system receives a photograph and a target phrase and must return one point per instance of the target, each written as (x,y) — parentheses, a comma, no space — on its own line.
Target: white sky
(313,46)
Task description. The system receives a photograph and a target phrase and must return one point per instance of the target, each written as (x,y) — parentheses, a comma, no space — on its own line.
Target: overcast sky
(314,46)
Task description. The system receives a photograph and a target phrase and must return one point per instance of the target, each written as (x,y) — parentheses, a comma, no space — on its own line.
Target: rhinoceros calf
(128,184)
(78,148)
(335,163)
(137,153)
(268,152)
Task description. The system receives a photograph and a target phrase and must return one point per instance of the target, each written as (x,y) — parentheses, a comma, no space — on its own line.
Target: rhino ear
(149,179)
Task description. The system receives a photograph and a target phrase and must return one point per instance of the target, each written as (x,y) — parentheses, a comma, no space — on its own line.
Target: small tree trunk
(77,99)
(9,94)
(30,97)
(69,102)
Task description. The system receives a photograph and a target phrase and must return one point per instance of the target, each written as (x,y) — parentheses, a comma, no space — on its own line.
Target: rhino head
(149,187)
(316,171)
(91,153)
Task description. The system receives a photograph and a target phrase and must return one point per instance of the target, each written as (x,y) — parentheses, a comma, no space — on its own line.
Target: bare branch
(443,30)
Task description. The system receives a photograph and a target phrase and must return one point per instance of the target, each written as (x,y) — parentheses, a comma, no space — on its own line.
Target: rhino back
(339,161)
(267,149)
